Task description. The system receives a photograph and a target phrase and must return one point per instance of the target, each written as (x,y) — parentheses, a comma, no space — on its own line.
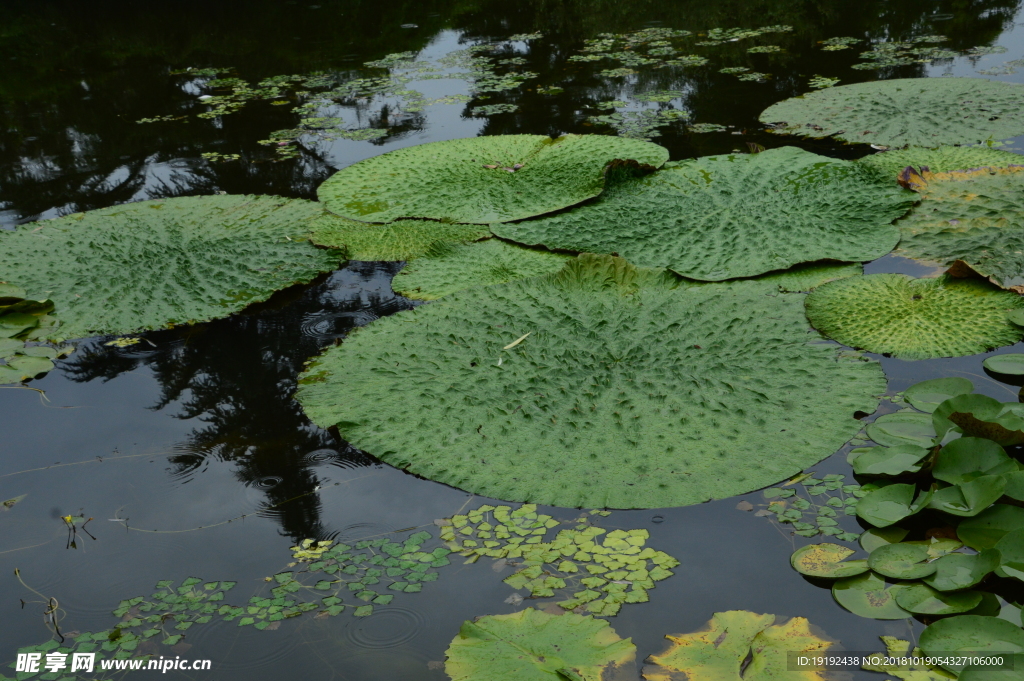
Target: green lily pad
(924,600)
(925,112)
(718,652)
(1014,485)
(984,530)
(941,160)
(891,504)
(969,498)
(401,240)
(988,673)
(957,571)
(881,536)
(866,595)
(449,268)
(898,661)
(1011,554)
(738,215)
(531,645)
(826,560)
(927,395)
(976,216)
(967,458)
(970,634)
(901,561)
(154,264)
(1011,364)
(896,315)
(887,460)
(905,427)
(981,416)
(476,180)
(543,382)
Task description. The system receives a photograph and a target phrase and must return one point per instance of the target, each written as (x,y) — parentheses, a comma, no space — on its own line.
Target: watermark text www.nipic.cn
(85,662)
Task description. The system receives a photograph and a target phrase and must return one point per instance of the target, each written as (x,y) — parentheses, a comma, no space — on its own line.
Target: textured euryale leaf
(153,264)
(481,179)
(399,240)
(915,318)
(924,112)
(531,645)
(976,216)
(736,215)
(448,268)
(890,164)
(718,652)
(628,392)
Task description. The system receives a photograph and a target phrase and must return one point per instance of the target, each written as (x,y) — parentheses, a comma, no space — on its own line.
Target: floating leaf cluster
(914,51)
(602,573)
(825,503)
(23,321)
(945,459)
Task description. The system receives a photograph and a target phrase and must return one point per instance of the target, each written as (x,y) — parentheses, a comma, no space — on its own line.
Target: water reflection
(237,376)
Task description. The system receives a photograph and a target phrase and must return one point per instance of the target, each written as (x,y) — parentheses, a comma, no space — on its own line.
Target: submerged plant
(154,264)
(523,389)
(482,179)
(737,215)
(926,112)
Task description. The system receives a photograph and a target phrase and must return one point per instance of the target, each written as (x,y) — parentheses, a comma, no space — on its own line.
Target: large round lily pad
(719,651)
(976,216)
(925,112)
(400,240)
(984,530)
(942,160)
(482,179)
(901,561)
(453,267)
(867,595)
(603,385)
(924,600)
(531,645)
(737,215)
(153,264)
(909,318)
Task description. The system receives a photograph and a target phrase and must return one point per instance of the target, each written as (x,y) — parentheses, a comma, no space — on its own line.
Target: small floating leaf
(887,460)
(927,395)
(900,428)
(1011,363)
(827,560)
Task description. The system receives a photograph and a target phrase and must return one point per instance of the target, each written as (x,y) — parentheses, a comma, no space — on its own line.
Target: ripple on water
(331,325)
(387,627)
(357,531)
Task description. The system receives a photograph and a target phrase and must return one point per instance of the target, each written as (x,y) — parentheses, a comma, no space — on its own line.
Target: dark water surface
(188,450)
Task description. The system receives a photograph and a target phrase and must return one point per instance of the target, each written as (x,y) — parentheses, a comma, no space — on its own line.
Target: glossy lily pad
(981,416)
(921,599)
(481,180)
(887,460)
(881,536)
(891,504)
(155,264)
(926,112)
(984,530)
(400,240)
(718,652)
(738,215)
(827,561)
(957,571)
(901,561)
(969,498)
(927,395)
(867,595)
(970,634)
(896,315)
(1010,363)
(531,645)
(1011,554)
(976,216)
(967,458)
(523,390)
(941,160)
(449,268)
(904,427)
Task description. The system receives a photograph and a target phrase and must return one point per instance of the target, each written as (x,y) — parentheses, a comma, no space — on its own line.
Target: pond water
(187,449)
